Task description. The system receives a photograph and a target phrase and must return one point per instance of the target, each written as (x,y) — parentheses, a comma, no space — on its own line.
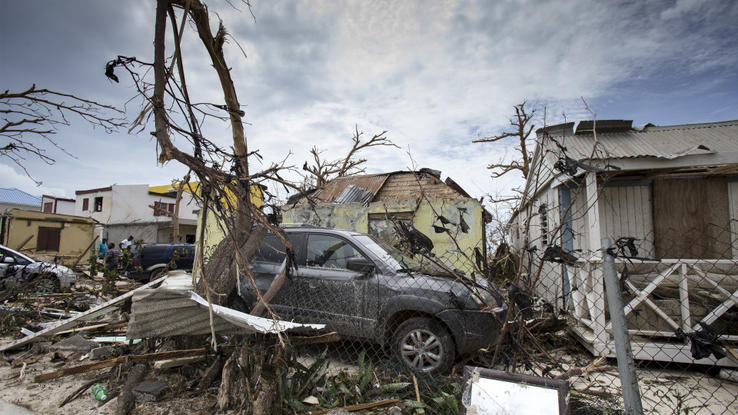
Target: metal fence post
(626,367)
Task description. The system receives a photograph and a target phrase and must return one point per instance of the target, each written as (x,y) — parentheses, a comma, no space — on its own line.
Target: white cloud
(19,180)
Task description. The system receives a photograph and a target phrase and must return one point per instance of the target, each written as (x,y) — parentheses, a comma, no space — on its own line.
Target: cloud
(434,74)
(19,180)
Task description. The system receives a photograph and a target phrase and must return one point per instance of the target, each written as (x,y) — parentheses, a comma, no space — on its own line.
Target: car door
(265,266)
(330,293)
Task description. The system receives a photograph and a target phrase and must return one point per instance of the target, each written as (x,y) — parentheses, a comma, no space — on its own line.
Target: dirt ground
(45,397)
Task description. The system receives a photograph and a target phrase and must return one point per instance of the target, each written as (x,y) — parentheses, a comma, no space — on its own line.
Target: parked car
(17,268)
(366,289)
(149,261)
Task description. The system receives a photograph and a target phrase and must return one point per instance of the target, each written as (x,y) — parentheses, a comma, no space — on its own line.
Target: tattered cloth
(174,309)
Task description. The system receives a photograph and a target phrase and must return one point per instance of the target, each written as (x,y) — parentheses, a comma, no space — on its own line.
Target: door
(329,292)
(266,265)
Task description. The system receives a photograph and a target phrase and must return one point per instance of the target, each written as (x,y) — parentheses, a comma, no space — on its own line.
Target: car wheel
(157,273)
(45,283)
(424,345)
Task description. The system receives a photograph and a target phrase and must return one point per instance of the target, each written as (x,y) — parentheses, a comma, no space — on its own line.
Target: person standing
(126,243)
(103,248)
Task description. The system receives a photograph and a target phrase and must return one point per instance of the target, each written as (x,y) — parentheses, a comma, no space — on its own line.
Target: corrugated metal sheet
(354,194)
(19,197)
(663,142)
(174,309)
(333,189)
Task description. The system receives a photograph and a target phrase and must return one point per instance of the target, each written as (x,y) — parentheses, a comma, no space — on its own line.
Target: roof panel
(19,197)
(663,142)
(333,189)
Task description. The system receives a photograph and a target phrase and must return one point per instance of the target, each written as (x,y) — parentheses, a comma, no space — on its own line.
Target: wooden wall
(626,210)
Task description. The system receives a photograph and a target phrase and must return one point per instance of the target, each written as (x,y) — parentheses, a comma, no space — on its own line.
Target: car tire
(157,273)
(424,345)
(45,283)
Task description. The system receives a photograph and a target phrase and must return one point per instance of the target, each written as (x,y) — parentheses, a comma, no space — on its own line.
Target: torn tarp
(174,309)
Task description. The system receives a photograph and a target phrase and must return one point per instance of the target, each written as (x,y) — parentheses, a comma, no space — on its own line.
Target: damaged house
(668,197)
(377,203)
(139,210)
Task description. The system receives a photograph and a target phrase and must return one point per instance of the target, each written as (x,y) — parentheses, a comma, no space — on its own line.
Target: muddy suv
(365,289)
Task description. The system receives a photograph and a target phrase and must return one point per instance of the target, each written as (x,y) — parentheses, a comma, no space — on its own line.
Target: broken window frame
(98,204)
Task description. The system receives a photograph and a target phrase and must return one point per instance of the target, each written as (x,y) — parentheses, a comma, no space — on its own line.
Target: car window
(271,250)
(329,251)
(18,259)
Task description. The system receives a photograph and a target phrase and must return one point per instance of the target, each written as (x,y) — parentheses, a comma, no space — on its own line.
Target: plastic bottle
(99,392)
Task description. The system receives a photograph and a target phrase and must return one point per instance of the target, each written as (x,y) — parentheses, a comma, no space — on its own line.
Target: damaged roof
(618,139)
(398,185)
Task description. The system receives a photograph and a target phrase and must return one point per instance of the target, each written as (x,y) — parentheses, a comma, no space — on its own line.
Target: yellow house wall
(215,229)
(355,216)
(74,237)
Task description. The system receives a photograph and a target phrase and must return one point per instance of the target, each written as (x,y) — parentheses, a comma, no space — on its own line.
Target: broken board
(87,315)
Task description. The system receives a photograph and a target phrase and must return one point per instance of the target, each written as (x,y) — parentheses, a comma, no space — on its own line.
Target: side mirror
(362,265)
(9,260)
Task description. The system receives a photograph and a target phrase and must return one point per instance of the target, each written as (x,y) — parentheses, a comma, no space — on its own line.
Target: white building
(672,191)
(125,210)
(60,205)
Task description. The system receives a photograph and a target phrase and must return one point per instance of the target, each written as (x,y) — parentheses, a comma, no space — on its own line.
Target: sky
(434,74)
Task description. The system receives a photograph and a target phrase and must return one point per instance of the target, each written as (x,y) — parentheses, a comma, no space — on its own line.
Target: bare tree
(31,117)
(226,182)
(323,171)
(522,126)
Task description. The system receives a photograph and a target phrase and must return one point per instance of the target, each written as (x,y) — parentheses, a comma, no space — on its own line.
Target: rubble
(149,391)
(75,343)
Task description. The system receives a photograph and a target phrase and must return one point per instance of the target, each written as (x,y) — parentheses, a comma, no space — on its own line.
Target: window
(19,260)
(48,239)
(271,250)
(85,204)
(329,252)
(98,204)
(49,207)
(163,209)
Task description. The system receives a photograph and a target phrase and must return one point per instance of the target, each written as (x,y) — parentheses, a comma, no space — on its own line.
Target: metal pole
(626,367)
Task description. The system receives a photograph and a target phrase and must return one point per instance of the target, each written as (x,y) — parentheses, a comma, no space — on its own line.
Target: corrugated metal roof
(333,189)
(354,194)
(19,197)
(663,142)
(173,309)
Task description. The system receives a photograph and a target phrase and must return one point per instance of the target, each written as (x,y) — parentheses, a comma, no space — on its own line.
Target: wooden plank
(691,218)
(176,362)
(641,295)
(593,214)
(65,324)
(716,285)
(654,307)
(718,311)
(118,360)
(359,407)
(79,258)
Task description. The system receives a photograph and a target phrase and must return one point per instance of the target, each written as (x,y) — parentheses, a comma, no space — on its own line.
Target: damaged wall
(357,217)
(74,233)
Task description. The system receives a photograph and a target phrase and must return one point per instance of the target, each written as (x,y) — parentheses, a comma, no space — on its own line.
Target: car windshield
(392,256)
(400,261)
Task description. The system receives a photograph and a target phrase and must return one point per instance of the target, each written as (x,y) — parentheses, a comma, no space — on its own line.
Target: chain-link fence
(679,285)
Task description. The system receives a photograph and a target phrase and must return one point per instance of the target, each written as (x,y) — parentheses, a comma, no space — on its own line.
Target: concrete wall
(130,204)
(75,236)
(355,216)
